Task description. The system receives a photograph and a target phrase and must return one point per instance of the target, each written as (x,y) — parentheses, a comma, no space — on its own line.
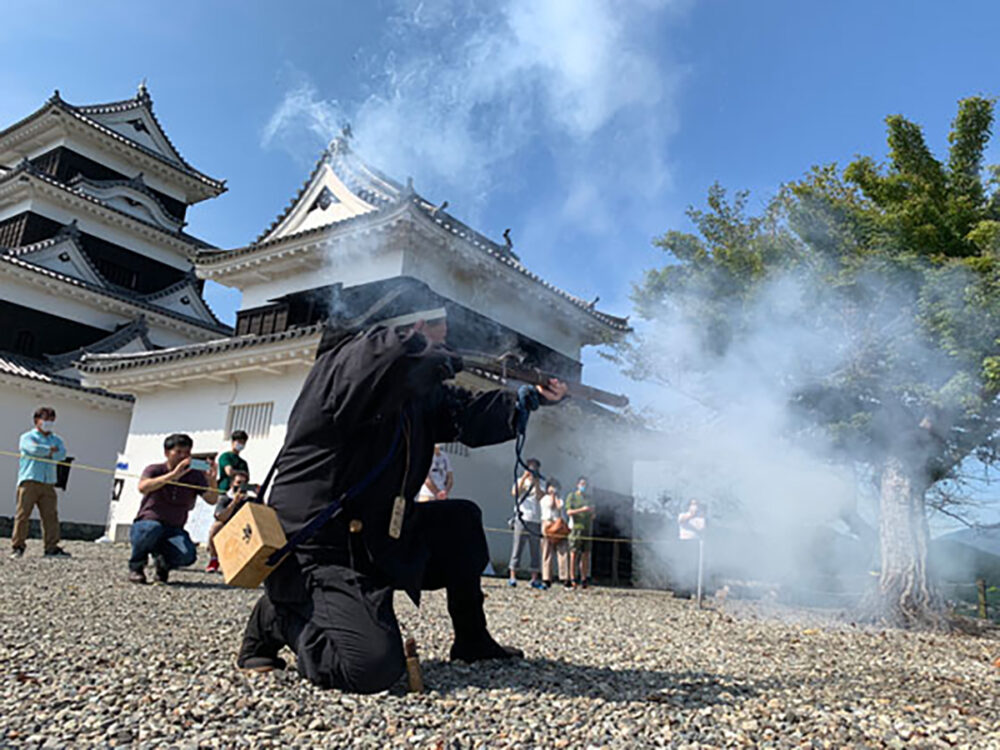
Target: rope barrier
(99,470)
(118,473)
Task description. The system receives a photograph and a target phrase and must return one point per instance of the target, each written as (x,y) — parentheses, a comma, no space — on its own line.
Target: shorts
(222,505)
(580,541)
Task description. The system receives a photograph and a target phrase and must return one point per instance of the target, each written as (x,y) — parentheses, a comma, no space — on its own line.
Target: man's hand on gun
(555,390)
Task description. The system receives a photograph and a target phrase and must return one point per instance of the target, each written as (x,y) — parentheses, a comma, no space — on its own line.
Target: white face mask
(239,446)
(47,426)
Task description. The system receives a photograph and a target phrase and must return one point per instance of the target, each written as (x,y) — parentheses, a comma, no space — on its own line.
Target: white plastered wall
(567,442)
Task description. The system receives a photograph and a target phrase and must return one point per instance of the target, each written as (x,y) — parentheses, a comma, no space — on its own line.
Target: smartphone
(200,464)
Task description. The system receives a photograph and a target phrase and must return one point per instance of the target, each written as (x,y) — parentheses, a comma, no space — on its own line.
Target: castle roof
(343,191)
(130,123)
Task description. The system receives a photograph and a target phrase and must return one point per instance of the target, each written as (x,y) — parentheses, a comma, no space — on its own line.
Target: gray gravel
(87,659)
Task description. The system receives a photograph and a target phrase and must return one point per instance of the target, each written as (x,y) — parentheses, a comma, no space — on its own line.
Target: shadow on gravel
(198,585)
(682,689)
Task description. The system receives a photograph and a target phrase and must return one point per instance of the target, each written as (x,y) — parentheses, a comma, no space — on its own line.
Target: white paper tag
(396,522)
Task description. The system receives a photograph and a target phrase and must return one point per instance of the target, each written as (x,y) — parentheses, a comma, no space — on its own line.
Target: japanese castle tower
(93,259)
(356,245)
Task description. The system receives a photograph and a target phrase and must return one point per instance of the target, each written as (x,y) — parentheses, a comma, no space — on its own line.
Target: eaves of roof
(100,363)
(136,183)
(26,168)
(131,299)
(138,328)
(17,366)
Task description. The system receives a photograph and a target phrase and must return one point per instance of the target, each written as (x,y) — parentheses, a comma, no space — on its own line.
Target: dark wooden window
(24,342)
(34,332)
(262,320)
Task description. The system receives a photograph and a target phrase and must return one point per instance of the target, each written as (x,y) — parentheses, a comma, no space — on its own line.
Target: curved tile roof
(96,363)
(82,112)
(19,366)
(386,195)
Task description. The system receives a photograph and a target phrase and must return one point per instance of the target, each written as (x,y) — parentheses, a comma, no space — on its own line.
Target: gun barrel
(533,376)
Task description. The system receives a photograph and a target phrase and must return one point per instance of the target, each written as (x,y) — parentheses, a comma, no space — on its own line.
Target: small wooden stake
(413,675)
(981,590)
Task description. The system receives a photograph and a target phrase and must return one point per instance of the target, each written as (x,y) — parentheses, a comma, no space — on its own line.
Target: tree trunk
(905,595)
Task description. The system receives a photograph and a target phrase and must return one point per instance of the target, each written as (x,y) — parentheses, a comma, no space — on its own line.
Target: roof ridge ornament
(141,92)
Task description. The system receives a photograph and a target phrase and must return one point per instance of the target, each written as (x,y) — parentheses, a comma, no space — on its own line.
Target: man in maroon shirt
(169,492)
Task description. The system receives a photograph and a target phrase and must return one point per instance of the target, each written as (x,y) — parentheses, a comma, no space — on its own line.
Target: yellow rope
(115,472)
(99,470)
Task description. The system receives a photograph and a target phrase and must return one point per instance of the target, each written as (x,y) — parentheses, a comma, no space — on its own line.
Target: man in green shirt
(230,461)
(580,510)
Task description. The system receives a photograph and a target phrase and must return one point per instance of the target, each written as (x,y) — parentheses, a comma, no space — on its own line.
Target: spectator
(169,492)
(552,510)
(230,462)
(239,484)
(440,478)
(527,491)
(580,510)
(36,478)
(691,523)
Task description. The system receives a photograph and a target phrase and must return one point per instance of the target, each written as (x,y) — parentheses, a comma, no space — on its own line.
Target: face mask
(47,426)
(582,487)
(239,446)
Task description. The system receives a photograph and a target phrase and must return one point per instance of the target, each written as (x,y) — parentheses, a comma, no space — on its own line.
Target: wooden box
(245,542)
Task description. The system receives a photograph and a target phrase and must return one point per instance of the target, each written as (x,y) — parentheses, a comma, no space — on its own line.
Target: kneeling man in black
(368,417)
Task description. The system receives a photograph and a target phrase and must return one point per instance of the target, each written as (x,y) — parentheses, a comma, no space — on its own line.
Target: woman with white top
(552,510)
(527,522)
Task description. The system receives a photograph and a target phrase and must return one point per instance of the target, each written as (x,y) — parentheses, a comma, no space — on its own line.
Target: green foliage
(904,261)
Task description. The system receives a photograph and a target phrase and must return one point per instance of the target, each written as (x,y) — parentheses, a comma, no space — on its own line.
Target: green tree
(905,260)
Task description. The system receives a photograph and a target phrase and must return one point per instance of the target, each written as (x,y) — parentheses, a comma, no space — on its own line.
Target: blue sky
(587,126)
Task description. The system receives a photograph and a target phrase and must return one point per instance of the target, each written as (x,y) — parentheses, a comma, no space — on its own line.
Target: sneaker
(57,552)
(137,576)
(567,584)
(576,583)
(511,583)
(538,585)
(213,565)
(162,571)
(17,553)
(585,583)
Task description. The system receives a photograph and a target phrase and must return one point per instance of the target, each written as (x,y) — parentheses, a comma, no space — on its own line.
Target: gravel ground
(89,660)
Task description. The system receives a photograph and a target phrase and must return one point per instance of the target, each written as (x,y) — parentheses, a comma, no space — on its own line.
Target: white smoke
(462,89)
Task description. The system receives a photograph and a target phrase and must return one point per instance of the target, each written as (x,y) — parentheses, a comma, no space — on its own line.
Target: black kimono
(376,399)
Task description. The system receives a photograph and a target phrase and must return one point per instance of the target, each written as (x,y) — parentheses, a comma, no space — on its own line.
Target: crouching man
(169,492)
(366,421)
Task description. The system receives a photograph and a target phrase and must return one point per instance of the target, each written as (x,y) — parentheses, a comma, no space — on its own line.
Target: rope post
(701,569)
(981,590)
(614,563)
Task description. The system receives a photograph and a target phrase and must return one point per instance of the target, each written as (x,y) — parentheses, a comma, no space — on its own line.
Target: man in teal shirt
(36,478)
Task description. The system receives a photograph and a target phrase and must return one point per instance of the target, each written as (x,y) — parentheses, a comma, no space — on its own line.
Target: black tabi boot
(261,640)
(473,641)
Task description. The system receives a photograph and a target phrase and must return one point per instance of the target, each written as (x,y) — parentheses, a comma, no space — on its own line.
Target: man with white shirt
(440,478)
(527,527)
(40,449)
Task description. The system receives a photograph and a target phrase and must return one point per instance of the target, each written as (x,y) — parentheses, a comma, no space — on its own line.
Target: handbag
(556,529)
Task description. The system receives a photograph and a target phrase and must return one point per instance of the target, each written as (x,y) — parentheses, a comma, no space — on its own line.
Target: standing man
(169,491)
(580,510)
(363,432)
(527,523)
(440,478)
(36,484)
(231,462)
